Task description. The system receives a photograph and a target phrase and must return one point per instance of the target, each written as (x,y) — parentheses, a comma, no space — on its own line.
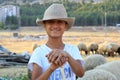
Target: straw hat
(56,11)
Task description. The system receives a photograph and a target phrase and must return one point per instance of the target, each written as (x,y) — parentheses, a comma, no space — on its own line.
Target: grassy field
(27,38)
(24,43)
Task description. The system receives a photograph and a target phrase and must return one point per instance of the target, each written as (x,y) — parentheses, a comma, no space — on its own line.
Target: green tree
(12,22)
(86,14)
(1,25)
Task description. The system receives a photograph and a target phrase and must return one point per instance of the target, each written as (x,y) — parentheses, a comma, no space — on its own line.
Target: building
(9,10)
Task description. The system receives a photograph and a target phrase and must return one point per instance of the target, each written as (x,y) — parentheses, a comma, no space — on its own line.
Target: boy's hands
(57,58)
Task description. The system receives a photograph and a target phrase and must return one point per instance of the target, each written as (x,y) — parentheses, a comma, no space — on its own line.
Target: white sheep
(115,47)
(91,61)
(112,67)
(82,47)
(105,49)
(98,74)
(93,47)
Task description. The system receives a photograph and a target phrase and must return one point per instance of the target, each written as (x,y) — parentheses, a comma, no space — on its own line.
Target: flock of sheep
(97,68)
(95,64)
(106,49)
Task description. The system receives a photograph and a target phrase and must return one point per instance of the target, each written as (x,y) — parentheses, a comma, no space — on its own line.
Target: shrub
(22,77)
(13,27)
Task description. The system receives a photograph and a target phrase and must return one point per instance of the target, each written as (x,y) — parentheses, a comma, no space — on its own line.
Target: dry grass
(19,45)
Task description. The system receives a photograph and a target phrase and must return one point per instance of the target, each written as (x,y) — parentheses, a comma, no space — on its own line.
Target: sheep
(91,61)
(112,67)
(98,74)
(118,50)
(82,47)
(115,47)
(109,49)
(92,47)
(105,48)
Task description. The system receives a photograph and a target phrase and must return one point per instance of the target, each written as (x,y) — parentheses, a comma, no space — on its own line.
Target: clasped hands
(57,58)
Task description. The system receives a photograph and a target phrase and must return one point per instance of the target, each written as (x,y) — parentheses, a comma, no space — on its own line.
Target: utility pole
(105,19)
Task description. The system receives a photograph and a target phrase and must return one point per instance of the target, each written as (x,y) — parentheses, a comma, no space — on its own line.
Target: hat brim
(69,20)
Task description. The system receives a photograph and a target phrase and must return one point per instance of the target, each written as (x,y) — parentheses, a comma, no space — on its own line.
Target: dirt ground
(27,38)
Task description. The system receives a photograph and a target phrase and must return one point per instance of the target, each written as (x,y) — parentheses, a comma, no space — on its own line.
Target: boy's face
(55,28)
